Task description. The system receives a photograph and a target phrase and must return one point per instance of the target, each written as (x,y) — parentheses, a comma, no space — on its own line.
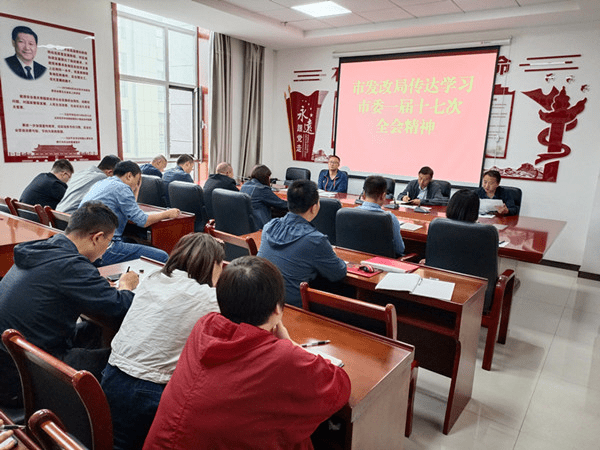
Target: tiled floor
(543,391)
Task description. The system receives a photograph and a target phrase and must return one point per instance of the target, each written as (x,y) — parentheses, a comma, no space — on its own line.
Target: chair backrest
(470,248)
(58,220)
(189,197)
(246,243)
(516,194)
(296,173)
(6,206)
(353,312)
(233,212)
(50,432)
(34,213)
(445,187)
(365,231)
(390,188)
(152,191)
(75,396)
(325,220)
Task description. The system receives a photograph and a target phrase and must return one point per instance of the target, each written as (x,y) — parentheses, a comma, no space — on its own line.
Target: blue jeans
(123,251)
(133,404)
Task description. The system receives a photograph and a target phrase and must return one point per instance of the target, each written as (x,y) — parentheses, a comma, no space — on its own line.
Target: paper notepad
(413,283)
(409,226)
(332,359)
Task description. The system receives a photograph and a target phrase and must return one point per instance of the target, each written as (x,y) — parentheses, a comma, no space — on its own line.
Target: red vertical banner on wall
(303,117)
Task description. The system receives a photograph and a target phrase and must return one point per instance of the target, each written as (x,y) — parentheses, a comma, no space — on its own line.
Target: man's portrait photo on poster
(22,63)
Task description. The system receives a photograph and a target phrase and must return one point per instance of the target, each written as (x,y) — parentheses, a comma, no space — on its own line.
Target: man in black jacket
(51,284)
(223,179)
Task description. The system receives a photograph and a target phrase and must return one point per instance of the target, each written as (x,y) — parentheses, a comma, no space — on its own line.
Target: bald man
(223,179)
(156,167)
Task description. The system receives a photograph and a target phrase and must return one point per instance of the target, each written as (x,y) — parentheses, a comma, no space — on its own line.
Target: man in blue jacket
(181,172)
(296,247)
(51,284)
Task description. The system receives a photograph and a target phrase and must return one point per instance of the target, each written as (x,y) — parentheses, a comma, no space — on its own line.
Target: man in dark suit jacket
(423,190)
(22,63)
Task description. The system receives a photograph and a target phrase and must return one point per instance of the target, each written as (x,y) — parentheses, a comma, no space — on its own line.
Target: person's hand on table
(173,213)
(129,281)
(502,209)
(406,199)
(415,201)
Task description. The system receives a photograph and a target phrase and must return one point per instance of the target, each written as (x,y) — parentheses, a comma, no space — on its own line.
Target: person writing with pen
(241,382)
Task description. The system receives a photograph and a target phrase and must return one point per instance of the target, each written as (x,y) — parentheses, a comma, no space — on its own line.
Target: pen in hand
(12,427)
(314,344)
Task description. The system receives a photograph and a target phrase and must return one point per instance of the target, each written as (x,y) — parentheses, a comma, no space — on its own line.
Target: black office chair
(296,173)
(152,191)
(365,231)
(390,189)
(516,194)
(325,220)
(445,188)
(233,215)
(472,248)
(189,197)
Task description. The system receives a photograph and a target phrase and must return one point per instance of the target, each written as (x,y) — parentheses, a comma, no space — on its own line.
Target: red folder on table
(390,265)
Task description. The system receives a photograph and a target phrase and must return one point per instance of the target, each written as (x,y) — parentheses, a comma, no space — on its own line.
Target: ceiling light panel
(322,9)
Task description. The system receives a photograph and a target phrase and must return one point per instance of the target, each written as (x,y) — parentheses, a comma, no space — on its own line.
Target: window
(160,98)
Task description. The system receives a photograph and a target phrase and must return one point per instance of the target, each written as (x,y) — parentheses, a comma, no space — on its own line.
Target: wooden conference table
(528,238)
(15,230)
(167,232)
(379,370)
(445,334)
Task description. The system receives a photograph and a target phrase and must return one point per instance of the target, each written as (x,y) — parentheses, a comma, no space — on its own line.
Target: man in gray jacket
(296,247)
(81,183)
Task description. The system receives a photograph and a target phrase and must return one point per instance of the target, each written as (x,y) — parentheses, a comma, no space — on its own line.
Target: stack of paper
(413,283)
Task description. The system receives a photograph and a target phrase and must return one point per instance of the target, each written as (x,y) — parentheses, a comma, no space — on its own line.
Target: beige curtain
(250,152)
(220,118)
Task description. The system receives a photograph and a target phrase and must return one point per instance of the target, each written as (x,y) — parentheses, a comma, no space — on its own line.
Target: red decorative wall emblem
(562,117)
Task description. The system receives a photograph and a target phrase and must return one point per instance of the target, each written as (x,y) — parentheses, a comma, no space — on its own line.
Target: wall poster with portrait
(48,94)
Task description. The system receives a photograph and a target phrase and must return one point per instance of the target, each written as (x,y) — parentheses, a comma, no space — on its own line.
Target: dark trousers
(133,403)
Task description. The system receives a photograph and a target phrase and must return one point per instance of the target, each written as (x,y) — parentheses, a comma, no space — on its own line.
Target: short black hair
(92,217)
(301,195)
(23,29)
(426,170)
(62,165)
(249,290)
(334,156)
(184,159)
(463,206)
(125,167)
(374,186)
(109,162)
(494,174)
(262,174)
(196,254)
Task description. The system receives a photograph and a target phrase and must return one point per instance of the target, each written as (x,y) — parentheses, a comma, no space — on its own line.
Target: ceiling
(274,24)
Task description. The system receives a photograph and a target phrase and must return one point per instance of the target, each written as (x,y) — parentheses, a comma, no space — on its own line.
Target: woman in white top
(145,351)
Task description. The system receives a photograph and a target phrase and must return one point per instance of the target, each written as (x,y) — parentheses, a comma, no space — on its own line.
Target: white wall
(578,173)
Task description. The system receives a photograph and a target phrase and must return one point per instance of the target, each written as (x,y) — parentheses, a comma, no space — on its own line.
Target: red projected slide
(396,115)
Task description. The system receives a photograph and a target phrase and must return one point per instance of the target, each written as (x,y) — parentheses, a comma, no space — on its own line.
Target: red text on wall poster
(48,98)
(303,118)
